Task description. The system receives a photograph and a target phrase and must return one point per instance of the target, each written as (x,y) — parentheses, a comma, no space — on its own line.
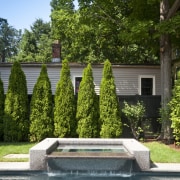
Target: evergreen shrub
(110,116)
(1,109)
(87,106)
(41,108)
(65,105)
(16,117)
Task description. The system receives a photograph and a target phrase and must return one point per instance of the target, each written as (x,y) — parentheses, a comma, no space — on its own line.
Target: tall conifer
(109,106)
(65,106)
(41,116)
(16,122)
(1,109)
(87,106)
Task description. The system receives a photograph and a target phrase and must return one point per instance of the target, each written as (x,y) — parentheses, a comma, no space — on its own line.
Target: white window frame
(147,76)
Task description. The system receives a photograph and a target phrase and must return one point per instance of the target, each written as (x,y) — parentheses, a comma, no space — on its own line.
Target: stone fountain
(84,155)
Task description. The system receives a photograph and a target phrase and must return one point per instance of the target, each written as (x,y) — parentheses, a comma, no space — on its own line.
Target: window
(147,85)
(77,83)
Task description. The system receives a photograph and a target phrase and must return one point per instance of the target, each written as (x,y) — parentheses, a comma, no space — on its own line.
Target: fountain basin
(44,156)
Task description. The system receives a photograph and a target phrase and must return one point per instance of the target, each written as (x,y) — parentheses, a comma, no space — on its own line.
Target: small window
(77,84)
(147,85)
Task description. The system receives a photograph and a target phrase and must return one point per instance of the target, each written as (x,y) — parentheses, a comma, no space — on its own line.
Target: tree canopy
(36,44)
(126,32)
(9,40)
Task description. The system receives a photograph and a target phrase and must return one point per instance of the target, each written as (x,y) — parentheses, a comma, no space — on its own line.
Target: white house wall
(126,76)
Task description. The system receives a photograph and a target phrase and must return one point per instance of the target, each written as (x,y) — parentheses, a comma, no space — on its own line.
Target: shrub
(109,105)
(16,122)
(87,106)
(65,105)
(41,106)
(134,114)
(175,109)
(1,108)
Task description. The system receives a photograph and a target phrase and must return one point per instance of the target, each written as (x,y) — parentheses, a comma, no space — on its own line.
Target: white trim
(147,76)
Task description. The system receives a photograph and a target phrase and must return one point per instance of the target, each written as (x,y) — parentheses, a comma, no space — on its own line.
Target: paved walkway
(14,166)
(165,167)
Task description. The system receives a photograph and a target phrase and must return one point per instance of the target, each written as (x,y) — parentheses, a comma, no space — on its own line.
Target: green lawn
(158,151)
(14,148)
(161,153)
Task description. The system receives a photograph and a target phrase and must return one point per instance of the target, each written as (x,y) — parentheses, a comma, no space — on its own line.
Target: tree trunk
(166,86)
(166,82)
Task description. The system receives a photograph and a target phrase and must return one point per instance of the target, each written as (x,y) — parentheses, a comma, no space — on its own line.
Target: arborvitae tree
(16,122)
(1,108)
(65,105)
(87,107)
(41,108)
(175,109)
(109,106)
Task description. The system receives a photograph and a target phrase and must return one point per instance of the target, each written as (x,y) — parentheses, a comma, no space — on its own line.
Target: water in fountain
(85,160)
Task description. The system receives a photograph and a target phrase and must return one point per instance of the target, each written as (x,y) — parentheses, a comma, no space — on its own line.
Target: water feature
(83,159)
(96,159)
(68,155)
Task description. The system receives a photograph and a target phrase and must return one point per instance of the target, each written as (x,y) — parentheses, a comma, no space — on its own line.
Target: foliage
(36,43)
(109,106)
(65,105)
(41,108)
(111,36)
(9,40)
(87,106)
(62,4)
(175,109)
(134,114)
(16,122)
(2,97)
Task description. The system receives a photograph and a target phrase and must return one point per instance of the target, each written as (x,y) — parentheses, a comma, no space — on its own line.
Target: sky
(21,14)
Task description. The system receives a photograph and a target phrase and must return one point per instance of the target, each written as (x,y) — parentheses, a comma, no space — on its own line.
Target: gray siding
(126,76)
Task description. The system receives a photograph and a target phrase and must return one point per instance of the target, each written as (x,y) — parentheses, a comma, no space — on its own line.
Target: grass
(14,148)
(161,153)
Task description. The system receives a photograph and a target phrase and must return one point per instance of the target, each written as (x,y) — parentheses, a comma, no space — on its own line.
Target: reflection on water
(43,176)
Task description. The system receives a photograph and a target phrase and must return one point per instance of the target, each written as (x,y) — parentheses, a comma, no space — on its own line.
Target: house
(133,82)
(130,79)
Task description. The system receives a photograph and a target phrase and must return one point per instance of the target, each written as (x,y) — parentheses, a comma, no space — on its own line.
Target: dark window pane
(77,83)
(146,86)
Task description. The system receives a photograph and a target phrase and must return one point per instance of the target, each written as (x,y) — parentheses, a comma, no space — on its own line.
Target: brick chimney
(56,51)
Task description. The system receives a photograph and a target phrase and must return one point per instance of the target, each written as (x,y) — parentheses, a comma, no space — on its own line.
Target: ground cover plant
(14,148)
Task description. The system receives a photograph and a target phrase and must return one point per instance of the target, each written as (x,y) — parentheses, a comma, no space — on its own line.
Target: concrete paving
(165,167)
(14,166)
